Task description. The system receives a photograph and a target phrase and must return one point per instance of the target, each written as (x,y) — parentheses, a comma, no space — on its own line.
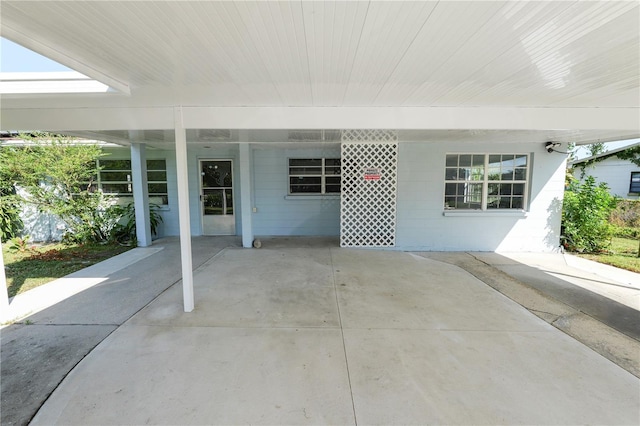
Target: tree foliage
(632,154)
(58,177)
(585,216)
(10,222)
(594,150)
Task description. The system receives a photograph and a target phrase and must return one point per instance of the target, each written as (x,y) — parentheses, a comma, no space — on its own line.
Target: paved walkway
(303,332)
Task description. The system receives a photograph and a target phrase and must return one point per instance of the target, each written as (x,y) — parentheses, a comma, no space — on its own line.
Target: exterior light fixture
(551,146)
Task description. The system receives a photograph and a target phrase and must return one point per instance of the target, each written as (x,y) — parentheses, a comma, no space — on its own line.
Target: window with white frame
(114,178)
(486,181)
(634,183)
(314,176)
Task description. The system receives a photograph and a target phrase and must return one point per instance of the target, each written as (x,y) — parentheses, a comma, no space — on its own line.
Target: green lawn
(622,254)
(40,264)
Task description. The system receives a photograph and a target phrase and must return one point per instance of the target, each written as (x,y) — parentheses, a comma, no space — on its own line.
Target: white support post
(183,210)
(245,194)
(140,193)
(4,292)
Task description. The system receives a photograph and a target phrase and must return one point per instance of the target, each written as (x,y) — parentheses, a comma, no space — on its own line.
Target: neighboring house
(433,116)
(621,176)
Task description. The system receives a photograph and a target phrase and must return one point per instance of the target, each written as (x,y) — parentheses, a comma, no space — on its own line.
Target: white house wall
(616,173)
(421,224)
(278,213)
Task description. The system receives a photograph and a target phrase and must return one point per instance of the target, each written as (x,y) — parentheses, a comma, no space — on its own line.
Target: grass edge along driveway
(39,264)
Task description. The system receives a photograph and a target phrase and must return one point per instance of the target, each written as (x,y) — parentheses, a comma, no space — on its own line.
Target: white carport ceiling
(530,59)
(306,53)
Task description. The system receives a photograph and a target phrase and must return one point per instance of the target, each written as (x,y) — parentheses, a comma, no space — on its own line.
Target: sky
(15,58)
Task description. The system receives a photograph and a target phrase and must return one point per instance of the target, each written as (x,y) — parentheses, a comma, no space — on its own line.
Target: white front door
(216,197)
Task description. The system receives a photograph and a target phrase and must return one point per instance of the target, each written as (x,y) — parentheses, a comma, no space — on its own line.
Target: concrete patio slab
(557,301)
(484,377)
(207,375)
(379,289)
(382,338)
(254,288)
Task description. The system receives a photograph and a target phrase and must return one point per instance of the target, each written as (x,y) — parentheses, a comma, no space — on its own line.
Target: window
(314,176)
(157,181)
(115,179)
(486,181)
(634,184)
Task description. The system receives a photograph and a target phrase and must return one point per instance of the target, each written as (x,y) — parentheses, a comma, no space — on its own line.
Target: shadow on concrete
(40,350)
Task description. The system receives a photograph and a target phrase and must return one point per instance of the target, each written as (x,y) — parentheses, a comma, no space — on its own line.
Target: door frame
(201,199)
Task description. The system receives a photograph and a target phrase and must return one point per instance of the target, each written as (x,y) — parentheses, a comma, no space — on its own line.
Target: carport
(435,81)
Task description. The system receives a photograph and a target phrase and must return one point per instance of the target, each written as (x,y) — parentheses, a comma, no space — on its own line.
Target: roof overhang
(554,70)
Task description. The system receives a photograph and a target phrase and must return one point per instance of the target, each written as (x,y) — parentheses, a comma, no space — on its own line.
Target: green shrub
(124,231)
(87,217)
(10,222)
(21,245)
(10,207)
(585,216)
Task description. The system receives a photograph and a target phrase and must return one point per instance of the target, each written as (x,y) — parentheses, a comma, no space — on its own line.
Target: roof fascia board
(605,154)
(55,55)
(489,118)
(90,117)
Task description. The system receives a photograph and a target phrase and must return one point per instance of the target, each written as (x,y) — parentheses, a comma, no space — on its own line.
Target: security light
(551,146)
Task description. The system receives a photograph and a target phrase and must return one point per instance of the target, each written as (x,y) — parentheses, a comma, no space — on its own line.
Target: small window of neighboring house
(486,181)
(634,184)
(314,176)
(115,179)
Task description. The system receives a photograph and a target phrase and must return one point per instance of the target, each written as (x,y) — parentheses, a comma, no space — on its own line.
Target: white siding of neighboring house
(616,173)
(40,227)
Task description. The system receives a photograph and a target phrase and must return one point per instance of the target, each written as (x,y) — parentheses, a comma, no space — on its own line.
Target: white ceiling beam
(153,118)
(411,118)
(86,118)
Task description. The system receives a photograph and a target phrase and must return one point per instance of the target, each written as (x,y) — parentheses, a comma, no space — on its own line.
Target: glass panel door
(216,197)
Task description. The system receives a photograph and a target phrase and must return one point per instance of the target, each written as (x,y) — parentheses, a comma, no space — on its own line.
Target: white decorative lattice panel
(369,135)
(368,191)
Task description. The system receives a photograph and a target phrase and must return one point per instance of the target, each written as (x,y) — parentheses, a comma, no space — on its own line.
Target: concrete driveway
(314,334)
